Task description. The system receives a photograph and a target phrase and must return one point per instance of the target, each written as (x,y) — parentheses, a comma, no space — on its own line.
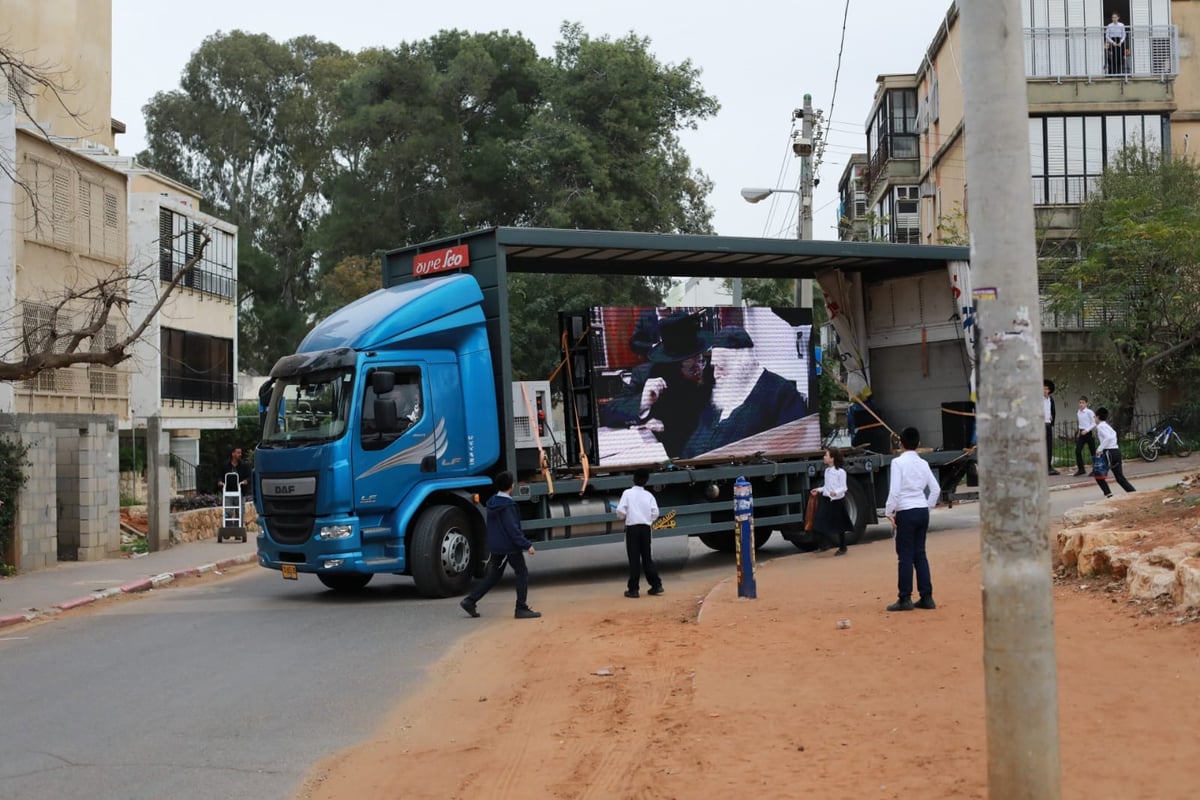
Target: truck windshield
(309,409)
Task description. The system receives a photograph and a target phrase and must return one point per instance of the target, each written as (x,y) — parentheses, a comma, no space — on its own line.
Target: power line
(836,75)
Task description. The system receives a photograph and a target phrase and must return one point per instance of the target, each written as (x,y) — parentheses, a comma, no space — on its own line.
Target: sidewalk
(70,585)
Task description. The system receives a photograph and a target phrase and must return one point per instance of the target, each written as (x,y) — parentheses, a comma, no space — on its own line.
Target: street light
(756,195)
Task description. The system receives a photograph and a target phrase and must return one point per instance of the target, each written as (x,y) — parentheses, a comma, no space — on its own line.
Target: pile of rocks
(1151,565)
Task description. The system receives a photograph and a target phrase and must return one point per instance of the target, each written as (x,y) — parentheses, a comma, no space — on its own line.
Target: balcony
(895,157)
(1080,53)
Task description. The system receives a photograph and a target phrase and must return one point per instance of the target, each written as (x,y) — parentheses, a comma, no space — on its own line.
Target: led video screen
(702,384)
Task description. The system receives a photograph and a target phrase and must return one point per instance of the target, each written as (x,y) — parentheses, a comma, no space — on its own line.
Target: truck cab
(387,404)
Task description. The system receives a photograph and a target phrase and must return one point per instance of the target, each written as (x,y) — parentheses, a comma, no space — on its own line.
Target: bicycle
(1160,438)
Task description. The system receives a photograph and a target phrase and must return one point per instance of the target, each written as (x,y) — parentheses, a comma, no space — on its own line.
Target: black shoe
(841,551)
(1054,472)
(526,613)
(926,603)
(630,593)
(468,605)
(902,604)
(1078,473)
(655,590)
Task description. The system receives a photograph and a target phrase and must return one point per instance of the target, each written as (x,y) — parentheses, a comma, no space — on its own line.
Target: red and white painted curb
(141,585)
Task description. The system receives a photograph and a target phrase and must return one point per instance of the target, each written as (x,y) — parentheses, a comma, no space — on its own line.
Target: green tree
(352,278)
(603,150)
(249,127)
(1138,279)
(431,132)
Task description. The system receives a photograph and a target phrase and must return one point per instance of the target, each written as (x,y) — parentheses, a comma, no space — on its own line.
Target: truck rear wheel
(723,542)
(344,581)
(442,552)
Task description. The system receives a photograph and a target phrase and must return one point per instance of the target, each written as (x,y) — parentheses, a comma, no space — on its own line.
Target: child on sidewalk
(1109,458)
(639,509)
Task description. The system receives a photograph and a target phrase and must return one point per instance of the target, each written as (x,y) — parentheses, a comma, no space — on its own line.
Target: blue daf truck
(388,424)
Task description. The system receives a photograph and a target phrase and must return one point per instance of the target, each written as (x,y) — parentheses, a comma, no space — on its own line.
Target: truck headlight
(335,532)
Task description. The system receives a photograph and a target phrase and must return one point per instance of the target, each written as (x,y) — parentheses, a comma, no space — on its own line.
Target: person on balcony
(1115,54)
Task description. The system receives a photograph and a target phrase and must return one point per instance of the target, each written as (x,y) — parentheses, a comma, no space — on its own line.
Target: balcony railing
(891,146)
(1150,51)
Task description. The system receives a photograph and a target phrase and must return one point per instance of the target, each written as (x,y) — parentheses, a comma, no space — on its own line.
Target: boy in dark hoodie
(508,545)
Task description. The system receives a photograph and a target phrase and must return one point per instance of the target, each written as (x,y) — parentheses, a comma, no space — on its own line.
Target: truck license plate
(289,572)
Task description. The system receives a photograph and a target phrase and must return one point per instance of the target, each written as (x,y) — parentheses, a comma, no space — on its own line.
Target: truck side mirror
(386,419)
(383,381)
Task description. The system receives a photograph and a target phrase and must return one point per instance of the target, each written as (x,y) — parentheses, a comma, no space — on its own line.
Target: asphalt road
(236,686)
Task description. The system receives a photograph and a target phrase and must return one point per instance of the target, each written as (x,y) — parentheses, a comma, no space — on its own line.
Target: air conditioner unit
(927,189)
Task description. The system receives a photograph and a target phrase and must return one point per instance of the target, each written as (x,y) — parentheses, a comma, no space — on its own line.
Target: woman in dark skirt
(832,519)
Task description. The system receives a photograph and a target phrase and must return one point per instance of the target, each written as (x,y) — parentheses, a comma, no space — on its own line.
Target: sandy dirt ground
(699,694)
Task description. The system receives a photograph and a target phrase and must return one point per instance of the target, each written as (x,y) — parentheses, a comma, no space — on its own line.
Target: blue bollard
(743,516)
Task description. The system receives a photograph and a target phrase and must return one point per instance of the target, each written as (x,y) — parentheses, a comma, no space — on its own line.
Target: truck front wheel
(442,552)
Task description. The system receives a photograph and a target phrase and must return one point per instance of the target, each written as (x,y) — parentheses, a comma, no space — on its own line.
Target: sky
(758,58)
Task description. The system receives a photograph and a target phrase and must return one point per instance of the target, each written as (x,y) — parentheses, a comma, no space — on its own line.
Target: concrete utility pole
(1018,640)
(803,147)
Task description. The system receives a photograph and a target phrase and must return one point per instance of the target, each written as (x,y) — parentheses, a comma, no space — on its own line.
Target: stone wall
(88,489)
(69,507)
(202,523)
(36,523)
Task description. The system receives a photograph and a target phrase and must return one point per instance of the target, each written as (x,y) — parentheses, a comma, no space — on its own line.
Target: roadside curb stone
(134,587)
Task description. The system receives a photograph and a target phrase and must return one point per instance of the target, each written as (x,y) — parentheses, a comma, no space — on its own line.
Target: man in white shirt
(1086,436)
(1114,46)
(912,492)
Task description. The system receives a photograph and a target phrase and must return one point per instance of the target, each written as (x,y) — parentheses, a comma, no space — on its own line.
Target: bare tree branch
(47,347)
(68,328)
(26,81)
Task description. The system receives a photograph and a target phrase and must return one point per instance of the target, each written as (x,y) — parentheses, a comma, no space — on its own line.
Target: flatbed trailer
(898,311)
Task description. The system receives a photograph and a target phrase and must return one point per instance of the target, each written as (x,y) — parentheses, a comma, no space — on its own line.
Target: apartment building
(1087,101)
(80,216)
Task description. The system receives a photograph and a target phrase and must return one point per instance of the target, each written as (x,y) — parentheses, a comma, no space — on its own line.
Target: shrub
(13,461)
(194,501)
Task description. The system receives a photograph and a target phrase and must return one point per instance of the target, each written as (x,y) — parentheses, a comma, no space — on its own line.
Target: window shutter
(61,208)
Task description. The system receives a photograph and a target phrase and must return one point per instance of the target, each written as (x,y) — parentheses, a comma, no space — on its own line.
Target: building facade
(82,224)
(1088,99)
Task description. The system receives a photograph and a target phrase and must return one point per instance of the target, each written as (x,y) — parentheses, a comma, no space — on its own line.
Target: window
(179,240)
(1068,154)
(906,225)
(49,203)
(98,226)
(196,367)
(405,396)
(104,380)
(38,324)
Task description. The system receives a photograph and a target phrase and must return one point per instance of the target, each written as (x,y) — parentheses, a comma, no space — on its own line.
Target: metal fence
(1186,422)
(1149,51)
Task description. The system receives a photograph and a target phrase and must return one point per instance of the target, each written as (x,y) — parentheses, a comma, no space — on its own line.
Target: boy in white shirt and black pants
(639,509)
(908,508)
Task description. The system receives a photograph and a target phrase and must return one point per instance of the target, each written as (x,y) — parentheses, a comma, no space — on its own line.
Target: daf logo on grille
(288,487)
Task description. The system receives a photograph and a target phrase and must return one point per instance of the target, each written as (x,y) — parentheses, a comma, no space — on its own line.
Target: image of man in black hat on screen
(746,398)
(667,394)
